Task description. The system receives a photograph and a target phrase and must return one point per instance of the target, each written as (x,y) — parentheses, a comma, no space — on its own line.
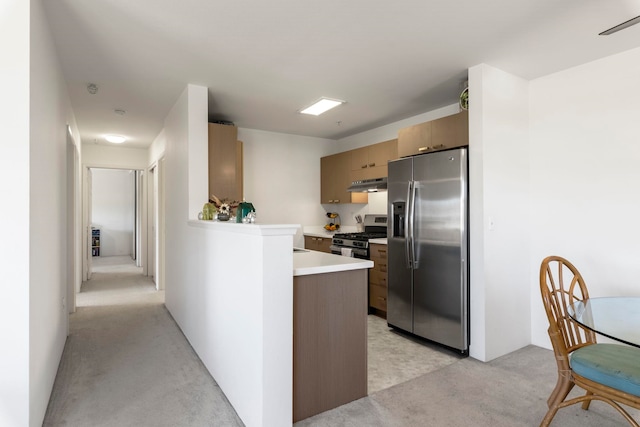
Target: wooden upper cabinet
(335,178)
(414,140)
(371,161)
(451,131)
(225,162)
(441,134)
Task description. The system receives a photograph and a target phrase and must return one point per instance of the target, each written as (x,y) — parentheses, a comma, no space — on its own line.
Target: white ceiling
(265,60)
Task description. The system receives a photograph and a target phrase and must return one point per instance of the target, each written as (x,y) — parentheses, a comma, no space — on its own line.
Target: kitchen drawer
(378,251)
(377,277)
(380,264)
(320,244)
(378,297)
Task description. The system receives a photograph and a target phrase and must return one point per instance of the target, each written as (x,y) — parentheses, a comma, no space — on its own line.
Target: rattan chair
(603,370)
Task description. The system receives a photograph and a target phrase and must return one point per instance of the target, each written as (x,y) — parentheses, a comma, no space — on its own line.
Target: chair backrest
(562,284)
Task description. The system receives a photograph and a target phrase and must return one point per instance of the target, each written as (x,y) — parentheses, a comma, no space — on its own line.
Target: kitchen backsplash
(377,205)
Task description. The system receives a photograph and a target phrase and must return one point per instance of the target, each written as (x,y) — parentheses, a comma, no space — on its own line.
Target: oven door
(355,252)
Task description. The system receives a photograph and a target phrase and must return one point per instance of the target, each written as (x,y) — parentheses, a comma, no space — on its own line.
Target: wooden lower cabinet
(320,244)
(329,341)
(378,280)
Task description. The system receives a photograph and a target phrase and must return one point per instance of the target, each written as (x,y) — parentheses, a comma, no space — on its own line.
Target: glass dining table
(615,317)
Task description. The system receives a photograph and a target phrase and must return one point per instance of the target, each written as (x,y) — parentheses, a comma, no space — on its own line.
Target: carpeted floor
(510,391)
(126,363)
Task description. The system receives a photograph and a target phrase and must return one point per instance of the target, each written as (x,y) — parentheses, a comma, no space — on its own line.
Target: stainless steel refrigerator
(428,290)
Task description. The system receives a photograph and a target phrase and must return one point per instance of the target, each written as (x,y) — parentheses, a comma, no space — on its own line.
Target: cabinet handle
(314,238)
(421,149)
(439,146)
(336,201)
(382,298)
(363,166)
(371,165)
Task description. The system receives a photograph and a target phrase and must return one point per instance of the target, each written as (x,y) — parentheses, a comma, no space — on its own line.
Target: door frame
(139,233)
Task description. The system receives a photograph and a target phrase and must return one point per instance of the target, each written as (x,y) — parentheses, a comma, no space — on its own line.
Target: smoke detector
(92,88)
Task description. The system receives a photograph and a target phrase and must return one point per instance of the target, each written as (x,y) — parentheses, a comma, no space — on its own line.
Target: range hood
(368,185)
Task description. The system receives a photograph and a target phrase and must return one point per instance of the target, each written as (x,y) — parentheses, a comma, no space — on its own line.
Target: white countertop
(314,262)
(379,241)
(319,231)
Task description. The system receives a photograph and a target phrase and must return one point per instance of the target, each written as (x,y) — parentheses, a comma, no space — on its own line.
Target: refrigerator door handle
(409,217)
(412,221)
(408,243)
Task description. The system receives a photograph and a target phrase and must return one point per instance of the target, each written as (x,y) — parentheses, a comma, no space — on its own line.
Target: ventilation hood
(368,185)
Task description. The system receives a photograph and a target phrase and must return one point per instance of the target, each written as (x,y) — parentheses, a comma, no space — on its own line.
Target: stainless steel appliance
(428,290)
(375,227)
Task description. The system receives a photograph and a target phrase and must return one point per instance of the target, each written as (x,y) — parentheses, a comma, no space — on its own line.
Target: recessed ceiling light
(321,106)
(116,139)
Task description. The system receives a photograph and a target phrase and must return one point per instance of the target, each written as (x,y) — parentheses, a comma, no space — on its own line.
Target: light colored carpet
(126,363)
(510,391)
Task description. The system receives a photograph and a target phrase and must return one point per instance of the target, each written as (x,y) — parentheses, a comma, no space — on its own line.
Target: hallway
(126,362)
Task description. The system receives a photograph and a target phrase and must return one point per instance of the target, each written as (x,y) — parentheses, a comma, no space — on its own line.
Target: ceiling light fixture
(622,26)
(322,105)
(115,139)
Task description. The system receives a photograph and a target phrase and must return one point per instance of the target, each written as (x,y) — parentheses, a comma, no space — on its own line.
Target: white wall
(34,113)
(113,210)
(585,176)
(220,283)
(282,177)
(113,156)
(499,212)
(14,222)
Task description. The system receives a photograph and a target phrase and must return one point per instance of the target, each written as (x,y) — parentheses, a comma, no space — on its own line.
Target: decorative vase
(223,216)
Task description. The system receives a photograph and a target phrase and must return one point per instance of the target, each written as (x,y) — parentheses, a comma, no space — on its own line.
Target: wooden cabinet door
(378,278)
(320,244)
(371,161)
(335,178)
(327,166)
(225,162)
(342,178)
(379,156)
(414,140)
(359,158)
(451,131)
(441,134)
(324,244)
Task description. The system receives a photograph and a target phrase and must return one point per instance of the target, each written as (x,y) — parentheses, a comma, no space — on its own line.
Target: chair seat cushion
(616,366)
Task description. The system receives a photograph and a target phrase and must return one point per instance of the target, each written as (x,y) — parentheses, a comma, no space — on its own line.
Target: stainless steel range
(375,227)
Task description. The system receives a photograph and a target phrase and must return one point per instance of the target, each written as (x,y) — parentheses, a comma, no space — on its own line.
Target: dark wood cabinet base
(329,341)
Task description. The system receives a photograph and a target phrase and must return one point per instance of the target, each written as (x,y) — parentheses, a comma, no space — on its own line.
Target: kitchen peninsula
(243,290)
(329,331)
